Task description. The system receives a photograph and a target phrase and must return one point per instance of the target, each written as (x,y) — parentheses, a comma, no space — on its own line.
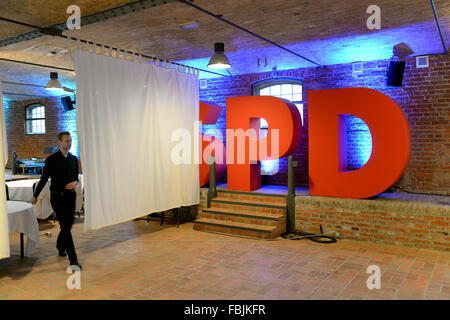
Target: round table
(22,219)
(22,190)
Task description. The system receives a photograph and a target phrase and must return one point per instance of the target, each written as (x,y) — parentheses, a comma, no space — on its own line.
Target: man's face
(66,142)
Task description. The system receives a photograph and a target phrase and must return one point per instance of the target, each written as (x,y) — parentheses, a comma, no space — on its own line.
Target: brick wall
(386,221)
(29,146)
(424,97)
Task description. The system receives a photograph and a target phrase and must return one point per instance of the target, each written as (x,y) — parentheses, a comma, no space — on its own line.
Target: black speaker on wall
(395,73)
(68,103)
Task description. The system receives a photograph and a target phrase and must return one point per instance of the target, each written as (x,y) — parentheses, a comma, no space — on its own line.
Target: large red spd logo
(391,140)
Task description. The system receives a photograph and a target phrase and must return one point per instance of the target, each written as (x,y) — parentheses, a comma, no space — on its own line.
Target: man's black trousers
(63,204)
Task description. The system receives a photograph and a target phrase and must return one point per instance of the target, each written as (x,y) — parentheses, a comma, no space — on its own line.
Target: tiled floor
(140,260)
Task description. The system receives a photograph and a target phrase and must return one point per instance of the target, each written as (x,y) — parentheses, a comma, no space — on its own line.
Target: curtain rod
(58,33)
(118,50)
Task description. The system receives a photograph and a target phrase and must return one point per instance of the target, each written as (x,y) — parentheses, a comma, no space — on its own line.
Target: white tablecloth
(22,190)
(22,218)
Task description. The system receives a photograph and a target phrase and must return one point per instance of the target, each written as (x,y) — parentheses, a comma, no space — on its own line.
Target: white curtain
(126,114)
(4,229)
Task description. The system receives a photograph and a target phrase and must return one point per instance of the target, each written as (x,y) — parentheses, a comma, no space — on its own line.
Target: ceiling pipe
(248,31)
(23,84)
(36,64)
(23,94)
(92,18)
(433,7)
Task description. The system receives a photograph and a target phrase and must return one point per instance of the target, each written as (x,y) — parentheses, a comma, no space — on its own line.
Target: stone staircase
(245,214)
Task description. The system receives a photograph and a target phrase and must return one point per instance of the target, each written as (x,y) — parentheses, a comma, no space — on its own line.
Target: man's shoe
(75,266)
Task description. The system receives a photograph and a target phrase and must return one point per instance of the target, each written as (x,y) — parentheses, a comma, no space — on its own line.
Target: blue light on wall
(74,148)
(359,142)
(420,37)
(6,103)
(67,122)
(270,167)
(212,130)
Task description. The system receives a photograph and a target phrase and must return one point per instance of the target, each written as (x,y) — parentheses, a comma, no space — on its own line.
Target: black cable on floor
(320,238)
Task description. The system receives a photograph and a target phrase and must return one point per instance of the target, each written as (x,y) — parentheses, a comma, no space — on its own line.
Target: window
(35,119)
(286,88)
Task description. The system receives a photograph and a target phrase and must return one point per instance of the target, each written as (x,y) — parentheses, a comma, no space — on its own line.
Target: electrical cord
(320,238)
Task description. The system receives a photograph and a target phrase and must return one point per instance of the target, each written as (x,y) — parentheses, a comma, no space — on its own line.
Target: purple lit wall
(423,98)
(359,142)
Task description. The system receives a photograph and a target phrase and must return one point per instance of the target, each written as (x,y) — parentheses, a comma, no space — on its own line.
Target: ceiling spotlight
(53,84)
(219,60)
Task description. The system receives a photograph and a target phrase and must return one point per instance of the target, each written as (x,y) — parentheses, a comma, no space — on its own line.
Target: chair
(22,167)
(162,215)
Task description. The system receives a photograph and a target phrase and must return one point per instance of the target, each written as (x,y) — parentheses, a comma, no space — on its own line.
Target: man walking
(62,168)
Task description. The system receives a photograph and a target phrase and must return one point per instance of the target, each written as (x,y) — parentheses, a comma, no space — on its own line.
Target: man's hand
(72,185)
(33,200)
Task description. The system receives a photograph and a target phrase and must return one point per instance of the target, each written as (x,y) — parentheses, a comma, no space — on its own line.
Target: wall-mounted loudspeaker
(395,73)
(68,103)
